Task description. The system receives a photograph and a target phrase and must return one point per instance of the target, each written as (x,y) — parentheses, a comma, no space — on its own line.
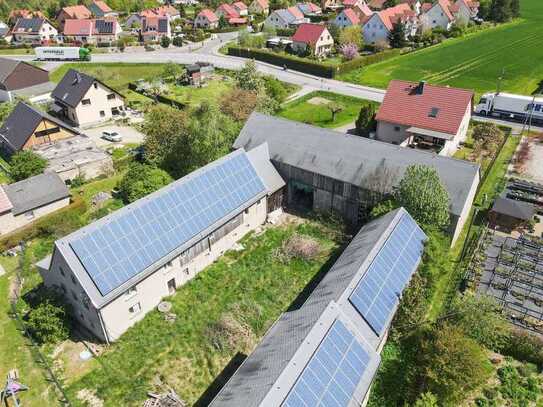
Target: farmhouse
(328,349)
(78,12)
(118,268)
(27,200)
(314,37)
(206,19)
(27,127)
(230,14)
(377,28)
(99,31)
(424,116)
(21,79)
(326,170)
(259,7)
(84,100)
(33,31)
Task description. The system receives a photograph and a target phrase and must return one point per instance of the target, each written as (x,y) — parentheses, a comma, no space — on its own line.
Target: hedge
(311,67)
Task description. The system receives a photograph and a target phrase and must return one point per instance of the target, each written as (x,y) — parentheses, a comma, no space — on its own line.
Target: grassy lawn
(17,51)
(317,113)
(473,62)
(212,91)
(253,286)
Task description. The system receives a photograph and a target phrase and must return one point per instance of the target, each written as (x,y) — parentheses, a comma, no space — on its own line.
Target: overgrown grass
(253,285)
(317,112)
(473,62)
(212,91)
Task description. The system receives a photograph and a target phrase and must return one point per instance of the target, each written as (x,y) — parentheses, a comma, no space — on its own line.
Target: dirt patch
(90,398)
(318,101)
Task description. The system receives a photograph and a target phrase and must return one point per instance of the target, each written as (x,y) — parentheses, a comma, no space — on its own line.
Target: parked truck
(511,107)
(62,54)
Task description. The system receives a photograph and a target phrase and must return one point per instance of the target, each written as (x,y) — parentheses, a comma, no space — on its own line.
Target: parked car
(112,136)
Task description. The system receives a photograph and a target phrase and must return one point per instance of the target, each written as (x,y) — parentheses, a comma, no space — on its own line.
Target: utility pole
(499,84)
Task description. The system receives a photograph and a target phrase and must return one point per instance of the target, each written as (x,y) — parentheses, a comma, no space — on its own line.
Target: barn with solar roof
(118,268)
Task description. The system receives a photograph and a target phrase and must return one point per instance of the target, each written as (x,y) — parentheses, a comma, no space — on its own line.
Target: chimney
(420,87)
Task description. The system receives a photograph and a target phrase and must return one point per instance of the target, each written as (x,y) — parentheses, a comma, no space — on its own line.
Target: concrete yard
(130,135)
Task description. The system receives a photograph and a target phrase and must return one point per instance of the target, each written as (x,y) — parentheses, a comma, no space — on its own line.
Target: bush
(525,347)
(165,42)
(177,42)
(26,164)
(49,321)
(140,180)
(299,247)
(230,334)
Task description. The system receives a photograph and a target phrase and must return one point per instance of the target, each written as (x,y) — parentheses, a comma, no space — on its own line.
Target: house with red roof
(465,10)
(78,12)
(316,37)
(309,9)
(206,19)
(92,31)
(424,116)
(136,19)
(241,8)
(259,7)
(377,28)
(155,27)
(437,15)
(346,18)
(230,13)
(33,31)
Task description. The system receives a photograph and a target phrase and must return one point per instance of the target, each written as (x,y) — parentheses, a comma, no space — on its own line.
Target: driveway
(130,135)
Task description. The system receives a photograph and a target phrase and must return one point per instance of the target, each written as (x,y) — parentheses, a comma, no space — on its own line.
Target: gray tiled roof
(35,192)
(267,375)
(260,158)
(72,88)
(21,123)
(285,15)
(516,209)
(352,159)
(7,66)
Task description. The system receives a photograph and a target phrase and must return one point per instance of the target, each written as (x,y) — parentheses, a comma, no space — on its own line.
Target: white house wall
(90,114)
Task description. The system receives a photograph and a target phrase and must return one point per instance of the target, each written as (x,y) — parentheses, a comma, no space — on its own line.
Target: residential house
(261,7)
(328,348)
(22,79)
(464,11)
(14,15)
(314,37)
(206,19)
(285,18)
(25,201)
(425,116)
(99,8)
(346,18)
(154,28)
(119,268)
(309,9)
(95,31)
(379,4)
(84,100)
(437,15)
(34,31)
(136,19)
(241,8)
(27,127)
(78,12)
(330,171)
(331,4)
(230,14)
(378,27)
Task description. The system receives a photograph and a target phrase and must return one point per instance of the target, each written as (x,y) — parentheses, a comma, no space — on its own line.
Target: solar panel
(333,373)
(378,292)
(139,236)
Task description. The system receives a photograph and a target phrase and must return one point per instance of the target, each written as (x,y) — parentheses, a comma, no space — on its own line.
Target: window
(111,96)
(186,271)
(131,291)
(433,112)
(95,85)
(338,188)
(134,309)
(246,211)
(46,132)
(86,102)
(102,113)
(29,215)
(62,272)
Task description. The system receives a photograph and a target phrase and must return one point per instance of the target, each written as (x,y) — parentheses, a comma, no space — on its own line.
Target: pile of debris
(169,399)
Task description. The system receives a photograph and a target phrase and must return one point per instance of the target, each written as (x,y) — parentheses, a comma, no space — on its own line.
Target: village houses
(314,38)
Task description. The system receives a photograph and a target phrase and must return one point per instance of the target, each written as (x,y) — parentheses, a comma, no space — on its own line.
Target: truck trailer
(62,54)
(511,107)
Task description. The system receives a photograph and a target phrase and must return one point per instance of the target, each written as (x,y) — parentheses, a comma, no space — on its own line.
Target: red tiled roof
(227,10)
(162,11)
(25,13)
(237,20)
(240,5)
(295,11)
(405,106)
(209,15)
(148,13)
(5,204)
(79,12)
(392,15)
(446,6)
(377,4)
(362,10)
(352,16)
(308,33)
(73,27)
(102,6)
(350,3)
(426,7)
(263,4)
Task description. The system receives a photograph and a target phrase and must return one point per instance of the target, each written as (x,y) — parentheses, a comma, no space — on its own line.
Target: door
(171,286)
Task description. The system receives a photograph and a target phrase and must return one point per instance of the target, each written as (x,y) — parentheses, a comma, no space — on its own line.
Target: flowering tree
(349,51)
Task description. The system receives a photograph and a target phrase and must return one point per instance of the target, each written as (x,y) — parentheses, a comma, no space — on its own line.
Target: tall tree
(366,120)
(397,36)
(140,180)
(351,35)
(248,77)
(423,195)
(501,11)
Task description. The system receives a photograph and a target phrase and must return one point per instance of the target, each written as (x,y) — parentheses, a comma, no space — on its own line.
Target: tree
(501,11)
(222,22)
(352,35)
(397,36)
(426,400)
(49,320)
(335,32)
(423,195)
(5,110)
(275,88)
(451,364)
(25,164)
(165,41)
(239,103)
(248,77)
(172,71)
(177,41)
(348,51)
(366,122)
(140,180)
(334,108)
(515,8)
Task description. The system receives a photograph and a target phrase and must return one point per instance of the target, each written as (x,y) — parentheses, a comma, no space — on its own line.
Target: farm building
(331,171)
(118,268)
(21,79)
(326,352)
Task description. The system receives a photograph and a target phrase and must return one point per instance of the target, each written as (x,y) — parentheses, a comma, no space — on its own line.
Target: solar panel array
(139,236)
(333,373)
(378,292)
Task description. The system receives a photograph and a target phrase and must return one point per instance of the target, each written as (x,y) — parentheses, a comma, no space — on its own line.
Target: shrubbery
(26,164)
(49,320)
(140,180)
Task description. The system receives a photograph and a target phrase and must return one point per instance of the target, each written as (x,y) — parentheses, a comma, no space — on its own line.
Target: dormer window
(433,112)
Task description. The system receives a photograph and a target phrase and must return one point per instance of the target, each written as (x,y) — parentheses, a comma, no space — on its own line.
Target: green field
(312,109)
(475,61)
